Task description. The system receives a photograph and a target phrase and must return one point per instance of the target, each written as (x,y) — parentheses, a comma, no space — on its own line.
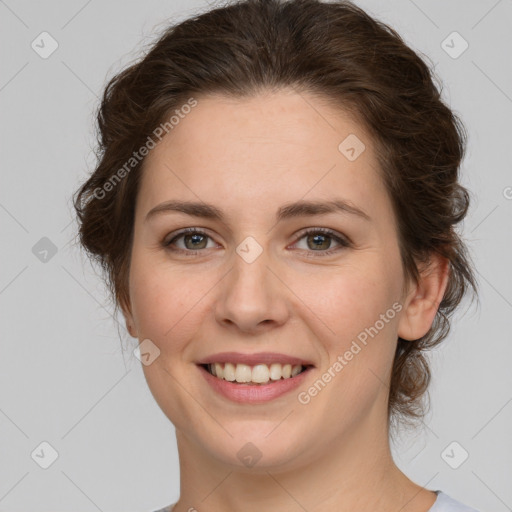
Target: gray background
(65,376)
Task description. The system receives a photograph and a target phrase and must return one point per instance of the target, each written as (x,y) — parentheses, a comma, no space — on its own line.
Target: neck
(355,472)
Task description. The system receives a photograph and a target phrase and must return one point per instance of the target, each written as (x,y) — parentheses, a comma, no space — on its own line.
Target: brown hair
(338,52)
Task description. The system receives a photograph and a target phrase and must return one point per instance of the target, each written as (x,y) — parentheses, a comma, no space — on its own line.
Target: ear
(128,316)
(423,299)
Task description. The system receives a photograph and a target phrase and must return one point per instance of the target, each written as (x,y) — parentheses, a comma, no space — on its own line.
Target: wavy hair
(340,53)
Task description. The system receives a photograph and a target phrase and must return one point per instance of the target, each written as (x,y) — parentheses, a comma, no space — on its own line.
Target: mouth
(255,375)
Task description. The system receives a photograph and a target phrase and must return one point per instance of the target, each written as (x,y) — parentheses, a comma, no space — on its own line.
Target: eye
(193,241)
(320,240)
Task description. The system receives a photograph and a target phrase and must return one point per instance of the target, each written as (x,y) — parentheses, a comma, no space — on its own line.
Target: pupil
(195,238)
(318,240)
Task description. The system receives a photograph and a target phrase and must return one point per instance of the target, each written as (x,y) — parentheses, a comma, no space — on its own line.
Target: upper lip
(253,359)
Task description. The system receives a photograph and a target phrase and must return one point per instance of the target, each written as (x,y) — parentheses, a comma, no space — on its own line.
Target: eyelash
(344,242)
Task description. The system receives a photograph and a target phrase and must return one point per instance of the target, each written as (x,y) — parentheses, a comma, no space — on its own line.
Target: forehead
(272,147)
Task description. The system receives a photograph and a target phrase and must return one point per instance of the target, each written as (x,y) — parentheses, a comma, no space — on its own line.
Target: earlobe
(130,324)
(424,298)
(130,329)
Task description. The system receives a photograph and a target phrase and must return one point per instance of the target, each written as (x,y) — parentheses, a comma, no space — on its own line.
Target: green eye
(318,240)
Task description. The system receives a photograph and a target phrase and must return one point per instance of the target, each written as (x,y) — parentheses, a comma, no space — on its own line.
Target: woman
(275,207)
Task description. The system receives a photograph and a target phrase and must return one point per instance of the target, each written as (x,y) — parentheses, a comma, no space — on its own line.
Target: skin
(249,157)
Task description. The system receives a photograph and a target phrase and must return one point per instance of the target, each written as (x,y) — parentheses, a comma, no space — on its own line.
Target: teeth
(229,372)
(296,370)
(258,374)
(243,373)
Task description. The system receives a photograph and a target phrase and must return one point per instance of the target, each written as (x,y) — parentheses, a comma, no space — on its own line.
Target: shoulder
(166,509)
(445,503)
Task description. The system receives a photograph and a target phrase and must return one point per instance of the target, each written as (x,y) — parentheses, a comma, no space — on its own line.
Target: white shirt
(443,503)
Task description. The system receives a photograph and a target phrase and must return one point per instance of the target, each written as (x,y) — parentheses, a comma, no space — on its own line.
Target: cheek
(349,300)
(166,301)
(354,313)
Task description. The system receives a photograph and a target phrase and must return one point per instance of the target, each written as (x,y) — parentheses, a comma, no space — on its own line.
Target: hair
(333,50)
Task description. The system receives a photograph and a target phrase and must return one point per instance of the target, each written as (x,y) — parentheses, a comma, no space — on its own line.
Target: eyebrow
(287,211)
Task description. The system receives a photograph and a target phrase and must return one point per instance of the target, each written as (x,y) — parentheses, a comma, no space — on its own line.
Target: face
(310,284)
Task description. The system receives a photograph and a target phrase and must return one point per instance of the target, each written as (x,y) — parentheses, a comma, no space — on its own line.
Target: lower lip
(246,393)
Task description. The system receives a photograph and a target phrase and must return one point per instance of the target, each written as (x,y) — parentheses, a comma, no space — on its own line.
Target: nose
(252,298)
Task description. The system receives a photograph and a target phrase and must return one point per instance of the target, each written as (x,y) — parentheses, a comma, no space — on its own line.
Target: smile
(258,374)
(242,388)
